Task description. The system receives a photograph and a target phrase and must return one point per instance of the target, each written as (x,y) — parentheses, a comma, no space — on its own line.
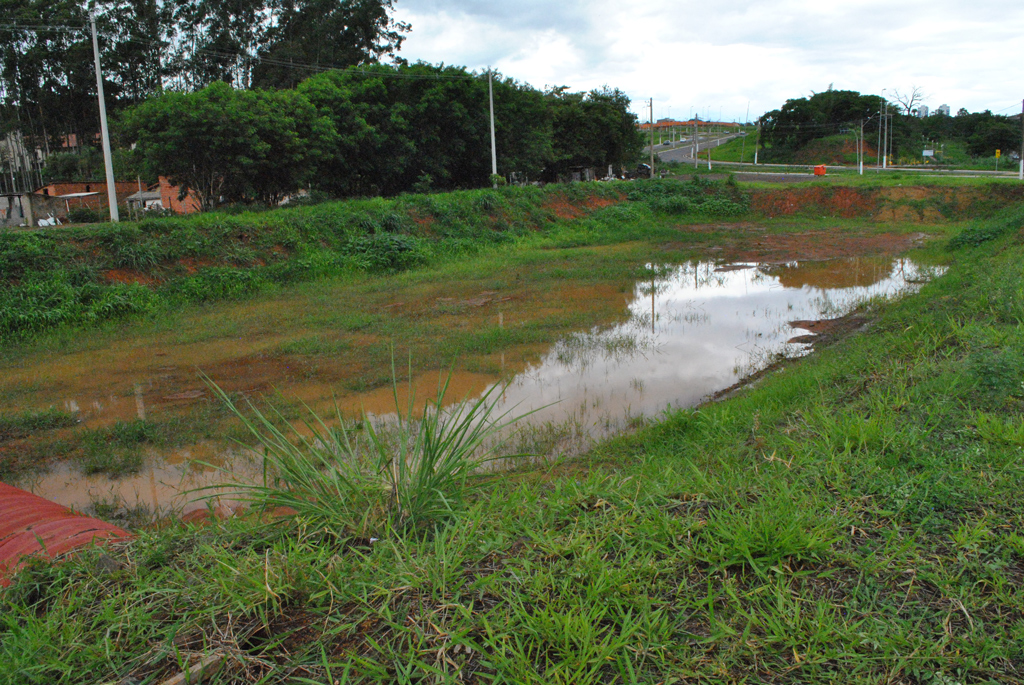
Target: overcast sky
(706,56)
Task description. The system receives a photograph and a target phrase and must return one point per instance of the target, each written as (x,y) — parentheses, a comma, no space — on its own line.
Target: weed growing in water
(15,426)
(353,479)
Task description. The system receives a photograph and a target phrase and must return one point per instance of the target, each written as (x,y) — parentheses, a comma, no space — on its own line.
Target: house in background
(172,199)
(87,194)
(145,200)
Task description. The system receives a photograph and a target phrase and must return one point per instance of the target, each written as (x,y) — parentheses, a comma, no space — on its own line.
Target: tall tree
(398,125)
(222,143)
(307,36)
(593,129)
(801,120)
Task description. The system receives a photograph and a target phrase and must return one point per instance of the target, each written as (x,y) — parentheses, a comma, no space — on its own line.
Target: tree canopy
(787,130)
(799,121)
(378,130)
(47,83)
(225,143)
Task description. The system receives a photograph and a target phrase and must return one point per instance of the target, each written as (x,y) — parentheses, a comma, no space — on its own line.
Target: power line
(27,27)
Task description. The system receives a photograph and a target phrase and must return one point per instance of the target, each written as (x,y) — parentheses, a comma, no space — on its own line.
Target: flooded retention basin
(689,330)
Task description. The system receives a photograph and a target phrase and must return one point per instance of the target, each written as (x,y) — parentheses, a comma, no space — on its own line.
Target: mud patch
(129,277)
(825,200)
(564,208)
(749,242)
(826,331)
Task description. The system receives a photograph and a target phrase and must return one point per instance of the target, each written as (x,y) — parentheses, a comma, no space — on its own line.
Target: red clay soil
(128,276)
(828,200)
(33,526)
(912,204)
(564,208)
(749,242)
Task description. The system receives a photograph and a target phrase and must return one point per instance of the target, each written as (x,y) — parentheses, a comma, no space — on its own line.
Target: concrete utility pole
(743,143)
(494,148)
(107,161)
(878,149)
(652,137)
(885,136)
(1021,174)
(695,148)
(757,140)
(860,149)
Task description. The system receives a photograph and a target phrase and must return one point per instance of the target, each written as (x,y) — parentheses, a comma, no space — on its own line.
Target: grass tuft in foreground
(407,471)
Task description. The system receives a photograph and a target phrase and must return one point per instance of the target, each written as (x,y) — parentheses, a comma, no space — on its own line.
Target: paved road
(683,151)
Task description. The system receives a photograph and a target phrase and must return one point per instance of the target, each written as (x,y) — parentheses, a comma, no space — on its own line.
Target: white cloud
(711,55)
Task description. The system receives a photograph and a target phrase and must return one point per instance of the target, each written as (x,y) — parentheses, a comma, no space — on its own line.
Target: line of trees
(48,87)
(380,130)
(247,100)
(787,130)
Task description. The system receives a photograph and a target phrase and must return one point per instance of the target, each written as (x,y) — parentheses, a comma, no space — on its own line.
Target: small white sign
(928,153)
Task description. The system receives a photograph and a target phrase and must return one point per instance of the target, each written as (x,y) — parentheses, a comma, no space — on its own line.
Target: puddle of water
(693,329)
(166,482)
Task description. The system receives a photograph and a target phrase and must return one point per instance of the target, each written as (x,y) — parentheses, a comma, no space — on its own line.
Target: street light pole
(107,161)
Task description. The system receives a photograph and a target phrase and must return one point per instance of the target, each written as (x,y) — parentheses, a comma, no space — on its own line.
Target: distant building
(87,194)
(171,198)
(942,109)
(145,200)
(922,111)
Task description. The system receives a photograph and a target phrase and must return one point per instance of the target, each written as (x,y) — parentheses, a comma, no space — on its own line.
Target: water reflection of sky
(711,326)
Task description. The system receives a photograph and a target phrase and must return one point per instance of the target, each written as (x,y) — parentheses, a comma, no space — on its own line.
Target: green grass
(854,517)
(24,424)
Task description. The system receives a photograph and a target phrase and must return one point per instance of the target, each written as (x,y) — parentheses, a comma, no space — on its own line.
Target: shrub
(84,215)
(405,473)
(385,251)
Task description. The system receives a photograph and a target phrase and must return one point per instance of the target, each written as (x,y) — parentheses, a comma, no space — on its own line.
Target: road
(682,151)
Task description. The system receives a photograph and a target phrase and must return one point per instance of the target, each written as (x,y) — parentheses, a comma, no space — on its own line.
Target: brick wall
(98,202)
(169,198)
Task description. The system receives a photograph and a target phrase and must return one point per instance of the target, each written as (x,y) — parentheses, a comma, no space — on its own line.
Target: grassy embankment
(855,517)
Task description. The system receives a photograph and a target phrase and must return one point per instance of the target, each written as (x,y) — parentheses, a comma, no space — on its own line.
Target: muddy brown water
(692,330)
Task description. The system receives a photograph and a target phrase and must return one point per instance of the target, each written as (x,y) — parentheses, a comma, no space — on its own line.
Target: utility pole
(107,161)
(878,149)
(757,140)
(652,137)
(743,143)
(1021,174)
(696,144)
(494,149)
(860,149)
(885,135)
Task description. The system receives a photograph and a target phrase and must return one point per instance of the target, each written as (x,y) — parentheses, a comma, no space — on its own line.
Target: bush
(84,215)
(385,252)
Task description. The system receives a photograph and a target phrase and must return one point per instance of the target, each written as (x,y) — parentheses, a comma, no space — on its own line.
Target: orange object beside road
(819,170)
(31,525)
